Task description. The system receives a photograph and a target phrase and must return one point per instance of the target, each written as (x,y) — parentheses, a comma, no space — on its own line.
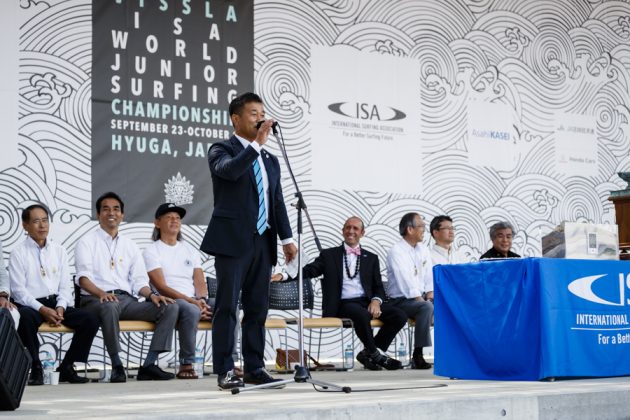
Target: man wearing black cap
(174,269)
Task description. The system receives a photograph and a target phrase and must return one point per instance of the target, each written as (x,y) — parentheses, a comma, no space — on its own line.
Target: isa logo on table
(583,288)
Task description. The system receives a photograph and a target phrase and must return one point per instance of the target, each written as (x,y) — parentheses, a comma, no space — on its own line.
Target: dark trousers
(84,324)
(249,275)
(393,320)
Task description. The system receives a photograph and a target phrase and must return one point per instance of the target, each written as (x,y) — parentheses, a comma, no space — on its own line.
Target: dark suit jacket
(493,253)
(233,222)
(329,263)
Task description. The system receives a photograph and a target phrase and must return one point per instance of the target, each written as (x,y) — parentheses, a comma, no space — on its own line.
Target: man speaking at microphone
(249,214)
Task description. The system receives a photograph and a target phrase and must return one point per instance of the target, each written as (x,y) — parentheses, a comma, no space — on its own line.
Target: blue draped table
(532,318)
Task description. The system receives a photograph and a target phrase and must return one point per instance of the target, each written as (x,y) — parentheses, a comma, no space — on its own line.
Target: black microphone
(274,126)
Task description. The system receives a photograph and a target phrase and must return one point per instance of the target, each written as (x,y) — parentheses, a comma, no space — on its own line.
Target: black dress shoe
(37,375)
(153,373)
(364,358)
(418,362)
(229,380)
(259,377)
(118,375)
(386,362)
(68,374)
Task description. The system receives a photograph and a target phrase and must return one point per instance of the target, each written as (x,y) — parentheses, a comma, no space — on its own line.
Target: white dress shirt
(178,262)
(441,255)
(263,171)
(36,272)
(351,288)
(110,263)
(409,270)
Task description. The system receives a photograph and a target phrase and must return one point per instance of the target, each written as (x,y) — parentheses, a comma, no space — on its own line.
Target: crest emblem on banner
(179,190)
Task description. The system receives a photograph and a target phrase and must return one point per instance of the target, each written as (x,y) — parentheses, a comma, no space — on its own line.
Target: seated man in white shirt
(5,293)
(410,285)
(443,232)
(174,268)
(111,274)
(41,284)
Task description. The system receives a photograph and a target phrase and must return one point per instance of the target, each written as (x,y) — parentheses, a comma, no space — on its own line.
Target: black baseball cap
(169,207)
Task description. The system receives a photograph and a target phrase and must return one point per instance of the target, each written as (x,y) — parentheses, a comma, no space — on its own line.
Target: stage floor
(384,395)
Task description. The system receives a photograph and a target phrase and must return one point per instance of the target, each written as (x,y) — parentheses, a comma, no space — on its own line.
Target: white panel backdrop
(538,59)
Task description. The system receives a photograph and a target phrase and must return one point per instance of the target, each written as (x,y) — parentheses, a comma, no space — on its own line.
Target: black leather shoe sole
(118,377)
(367,362)
(73,379)
(153,373)
(36,381)
(230,384)
(258,381)
(392,364)
(36,377)
(422,365)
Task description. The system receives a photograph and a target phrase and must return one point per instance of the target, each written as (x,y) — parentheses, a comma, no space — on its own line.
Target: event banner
(586,323)
(365,114)
(163,75)
(532,318)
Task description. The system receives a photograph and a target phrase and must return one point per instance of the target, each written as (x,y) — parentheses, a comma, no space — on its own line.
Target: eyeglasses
(43,221)
(452,228)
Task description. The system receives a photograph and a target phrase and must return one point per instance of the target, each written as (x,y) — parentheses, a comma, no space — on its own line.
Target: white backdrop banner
(365,119)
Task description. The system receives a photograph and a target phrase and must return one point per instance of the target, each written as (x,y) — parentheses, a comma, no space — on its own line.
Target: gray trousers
(422,313)
(187,322)
(127,307)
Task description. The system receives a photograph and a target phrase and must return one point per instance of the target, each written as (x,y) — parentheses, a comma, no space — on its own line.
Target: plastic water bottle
(48,365)
(198,365)
(348,356)
(402,354)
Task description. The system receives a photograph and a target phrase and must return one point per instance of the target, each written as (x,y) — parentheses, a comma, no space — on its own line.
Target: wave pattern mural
(531,55)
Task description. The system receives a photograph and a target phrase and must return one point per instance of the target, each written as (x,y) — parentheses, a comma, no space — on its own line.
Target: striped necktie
(261,223)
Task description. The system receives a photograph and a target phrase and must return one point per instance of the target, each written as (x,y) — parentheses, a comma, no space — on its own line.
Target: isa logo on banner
(583,288)
(585,309)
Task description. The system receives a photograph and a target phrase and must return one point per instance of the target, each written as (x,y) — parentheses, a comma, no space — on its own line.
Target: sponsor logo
(179,190)
(491,134)
(366,111)
(583,288)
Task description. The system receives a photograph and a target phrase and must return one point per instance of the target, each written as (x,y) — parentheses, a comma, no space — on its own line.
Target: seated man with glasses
(41,286)
(410,285)
(443,251)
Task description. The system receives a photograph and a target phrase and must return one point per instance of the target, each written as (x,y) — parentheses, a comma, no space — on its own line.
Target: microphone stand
(302,373)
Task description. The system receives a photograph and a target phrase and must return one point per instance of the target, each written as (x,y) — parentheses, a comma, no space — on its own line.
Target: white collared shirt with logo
(36,272)
(409,270)
(93,256)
